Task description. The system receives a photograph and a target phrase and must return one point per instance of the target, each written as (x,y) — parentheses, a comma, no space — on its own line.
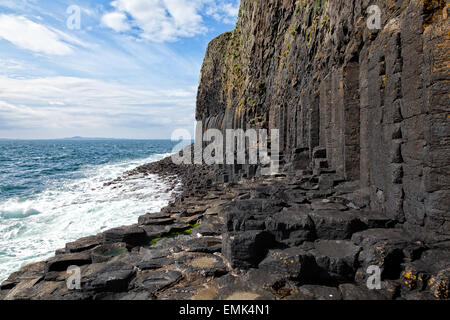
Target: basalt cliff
(376,101)
(360,208)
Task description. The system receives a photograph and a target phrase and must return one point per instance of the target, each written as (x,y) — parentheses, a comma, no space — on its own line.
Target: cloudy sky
(125,69)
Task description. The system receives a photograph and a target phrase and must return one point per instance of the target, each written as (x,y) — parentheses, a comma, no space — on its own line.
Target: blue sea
(51,193)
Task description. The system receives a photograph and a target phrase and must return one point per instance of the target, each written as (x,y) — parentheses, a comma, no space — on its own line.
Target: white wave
(33,229)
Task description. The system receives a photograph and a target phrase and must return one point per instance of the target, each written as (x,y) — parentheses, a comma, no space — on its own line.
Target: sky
(112,69)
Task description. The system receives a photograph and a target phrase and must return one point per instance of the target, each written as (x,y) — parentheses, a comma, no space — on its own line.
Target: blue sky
(130,70)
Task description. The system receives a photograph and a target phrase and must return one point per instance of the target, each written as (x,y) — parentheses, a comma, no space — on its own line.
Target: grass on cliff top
(169,235)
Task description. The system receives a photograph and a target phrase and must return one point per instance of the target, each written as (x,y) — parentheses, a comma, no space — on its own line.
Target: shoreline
(273,238)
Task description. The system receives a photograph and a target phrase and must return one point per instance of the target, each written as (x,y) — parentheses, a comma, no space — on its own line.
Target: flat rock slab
(113,276)
(316,292)
(336,225)
(431,273)
(106,252)
(328,205)
(28,272)
(154,281)
(291,227)
(383,248)
(338,259)
(62,262)
(233,288)
(292,263)
(206,265)
(246,249)
(133,236)
(204,245)
(149,219)
(356,292)
(83,244)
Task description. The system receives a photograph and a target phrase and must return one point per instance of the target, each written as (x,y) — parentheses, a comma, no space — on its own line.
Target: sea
(52,192)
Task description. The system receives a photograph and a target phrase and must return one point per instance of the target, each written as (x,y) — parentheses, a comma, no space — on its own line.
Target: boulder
(62,262)
(114,276)
(206,265)
(246,249)
(290,226)
(337,259)
(383,248)
(292,263)
(336,225)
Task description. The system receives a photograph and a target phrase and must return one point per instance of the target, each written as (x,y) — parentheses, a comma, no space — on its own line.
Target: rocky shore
(303,237)
(362,113)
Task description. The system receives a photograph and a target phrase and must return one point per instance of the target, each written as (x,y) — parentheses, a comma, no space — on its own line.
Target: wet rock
(83,244)
(246,249)
(133,236)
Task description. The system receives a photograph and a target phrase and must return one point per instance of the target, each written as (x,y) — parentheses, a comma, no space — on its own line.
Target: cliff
(376,100)
(364,120)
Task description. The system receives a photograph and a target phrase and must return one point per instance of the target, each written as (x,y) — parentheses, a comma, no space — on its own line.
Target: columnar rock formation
(364,119)
(377,100)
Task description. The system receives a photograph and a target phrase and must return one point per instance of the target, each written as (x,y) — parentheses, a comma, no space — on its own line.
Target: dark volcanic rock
(315,292)
(83,244)
(131,235)
(246,249)
(62,262)
(112,277)
(356,292)
(291,226)
(293,263)
(337,259)
(383,248)
(336,225)
(154,281)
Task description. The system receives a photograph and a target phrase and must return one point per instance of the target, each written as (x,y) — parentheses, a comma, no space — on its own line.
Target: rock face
(370,104)
(364,122)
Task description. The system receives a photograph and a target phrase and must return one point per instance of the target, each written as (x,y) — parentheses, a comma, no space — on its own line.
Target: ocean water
(51,193)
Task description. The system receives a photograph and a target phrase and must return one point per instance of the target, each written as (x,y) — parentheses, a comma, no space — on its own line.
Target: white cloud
(84,104)
(32,36)
(116,21)
(223,11)
(168,20)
